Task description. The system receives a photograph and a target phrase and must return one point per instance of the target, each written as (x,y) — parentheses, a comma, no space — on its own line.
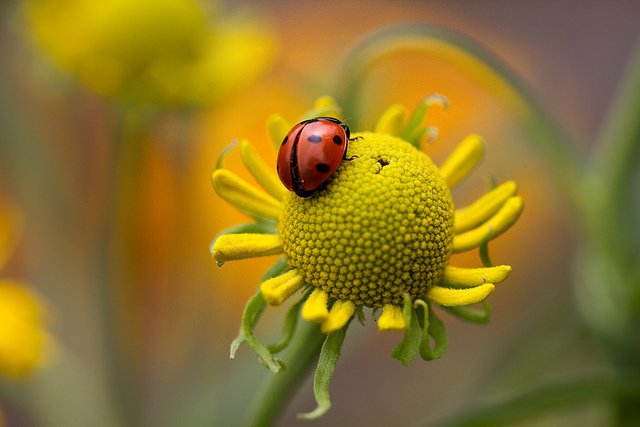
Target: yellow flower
(24,344)
(150,51)
(379,234)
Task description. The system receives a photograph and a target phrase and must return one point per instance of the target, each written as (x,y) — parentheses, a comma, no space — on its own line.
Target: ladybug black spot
(315,138)
(337,139)
(322,167)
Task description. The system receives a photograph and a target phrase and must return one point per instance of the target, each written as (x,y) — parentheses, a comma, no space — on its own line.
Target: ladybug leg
(349,158)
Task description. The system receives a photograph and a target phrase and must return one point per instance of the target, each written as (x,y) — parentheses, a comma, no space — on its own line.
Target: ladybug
(310,153)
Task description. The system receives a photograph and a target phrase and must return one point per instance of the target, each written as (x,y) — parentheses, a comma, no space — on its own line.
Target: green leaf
(407,350)
(289,327)
(225,151)
(432,328)
(472,314)
(484,254)
(252,312)
(329,355)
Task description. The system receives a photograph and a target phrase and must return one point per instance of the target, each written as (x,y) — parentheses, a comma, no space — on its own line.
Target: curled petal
(456,297)
(392,120)
(469,277)
(482,209)
(264,174)
(232,247)
(278,289)
(463,160)
(495,226)
(391,319)
(339,315)
(244,196)
(315,308)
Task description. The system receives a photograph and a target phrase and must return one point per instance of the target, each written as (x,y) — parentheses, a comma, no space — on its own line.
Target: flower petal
(277,289)
(456,297)
(232,247)
(325,106)
(245,196)
(392,120)
(339,315)
(262,173)
(464,158)
(277,129)
(391,318)
(495,226)
(315,308)
(469,277)
(482,209)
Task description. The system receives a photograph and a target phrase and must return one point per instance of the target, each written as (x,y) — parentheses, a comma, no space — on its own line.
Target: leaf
(329,355)
(432,328)
(252,312)
(472,314)
(407,350)
(289,328)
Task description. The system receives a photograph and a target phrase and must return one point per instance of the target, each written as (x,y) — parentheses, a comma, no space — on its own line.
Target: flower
(379,234)
(24,344)
(150,51)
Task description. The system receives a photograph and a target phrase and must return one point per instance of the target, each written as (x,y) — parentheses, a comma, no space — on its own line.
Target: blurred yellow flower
(161,52)
(24,344)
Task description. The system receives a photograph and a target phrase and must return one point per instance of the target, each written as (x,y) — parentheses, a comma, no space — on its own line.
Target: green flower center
(382,226)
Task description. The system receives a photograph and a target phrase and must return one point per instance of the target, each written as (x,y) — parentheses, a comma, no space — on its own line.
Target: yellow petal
(277,128)
(277,289)
(495,226)
(392,120)
(391,319)
(464,158)
(325,106)
(482,209)
(339,315)
(245,196)
(265,175)
(469,277)
(231,247)
(457,297)
(315,307)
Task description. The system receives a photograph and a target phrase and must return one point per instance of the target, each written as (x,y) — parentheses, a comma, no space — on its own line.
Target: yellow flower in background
(163,52)
(379,234)
(24,344)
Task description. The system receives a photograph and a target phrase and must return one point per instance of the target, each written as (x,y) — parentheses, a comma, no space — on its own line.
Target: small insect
(311,152)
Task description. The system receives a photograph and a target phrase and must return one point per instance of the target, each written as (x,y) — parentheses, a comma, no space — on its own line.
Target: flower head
(379,234)
(24,344)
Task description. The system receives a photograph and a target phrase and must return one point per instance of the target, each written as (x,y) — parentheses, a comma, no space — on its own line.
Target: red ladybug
(311,152)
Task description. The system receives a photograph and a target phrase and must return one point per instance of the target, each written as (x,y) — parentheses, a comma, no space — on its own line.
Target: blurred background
(112,115)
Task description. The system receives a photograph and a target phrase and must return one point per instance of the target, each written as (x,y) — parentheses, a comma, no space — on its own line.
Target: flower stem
(542,400)
(544,133)
(277,390)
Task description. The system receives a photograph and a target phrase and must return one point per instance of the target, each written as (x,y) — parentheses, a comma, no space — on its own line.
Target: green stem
(546,398)
(277,390)
(618,146)
(544,133)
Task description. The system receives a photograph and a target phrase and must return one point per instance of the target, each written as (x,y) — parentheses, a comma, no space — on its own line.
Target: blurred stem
(618,146)
(116,258)
(278,389)
(542,400)
(543,131)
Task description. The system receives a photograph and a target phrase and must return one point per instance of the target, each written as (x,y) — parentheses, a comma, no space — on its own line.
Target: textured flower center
(383,225)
